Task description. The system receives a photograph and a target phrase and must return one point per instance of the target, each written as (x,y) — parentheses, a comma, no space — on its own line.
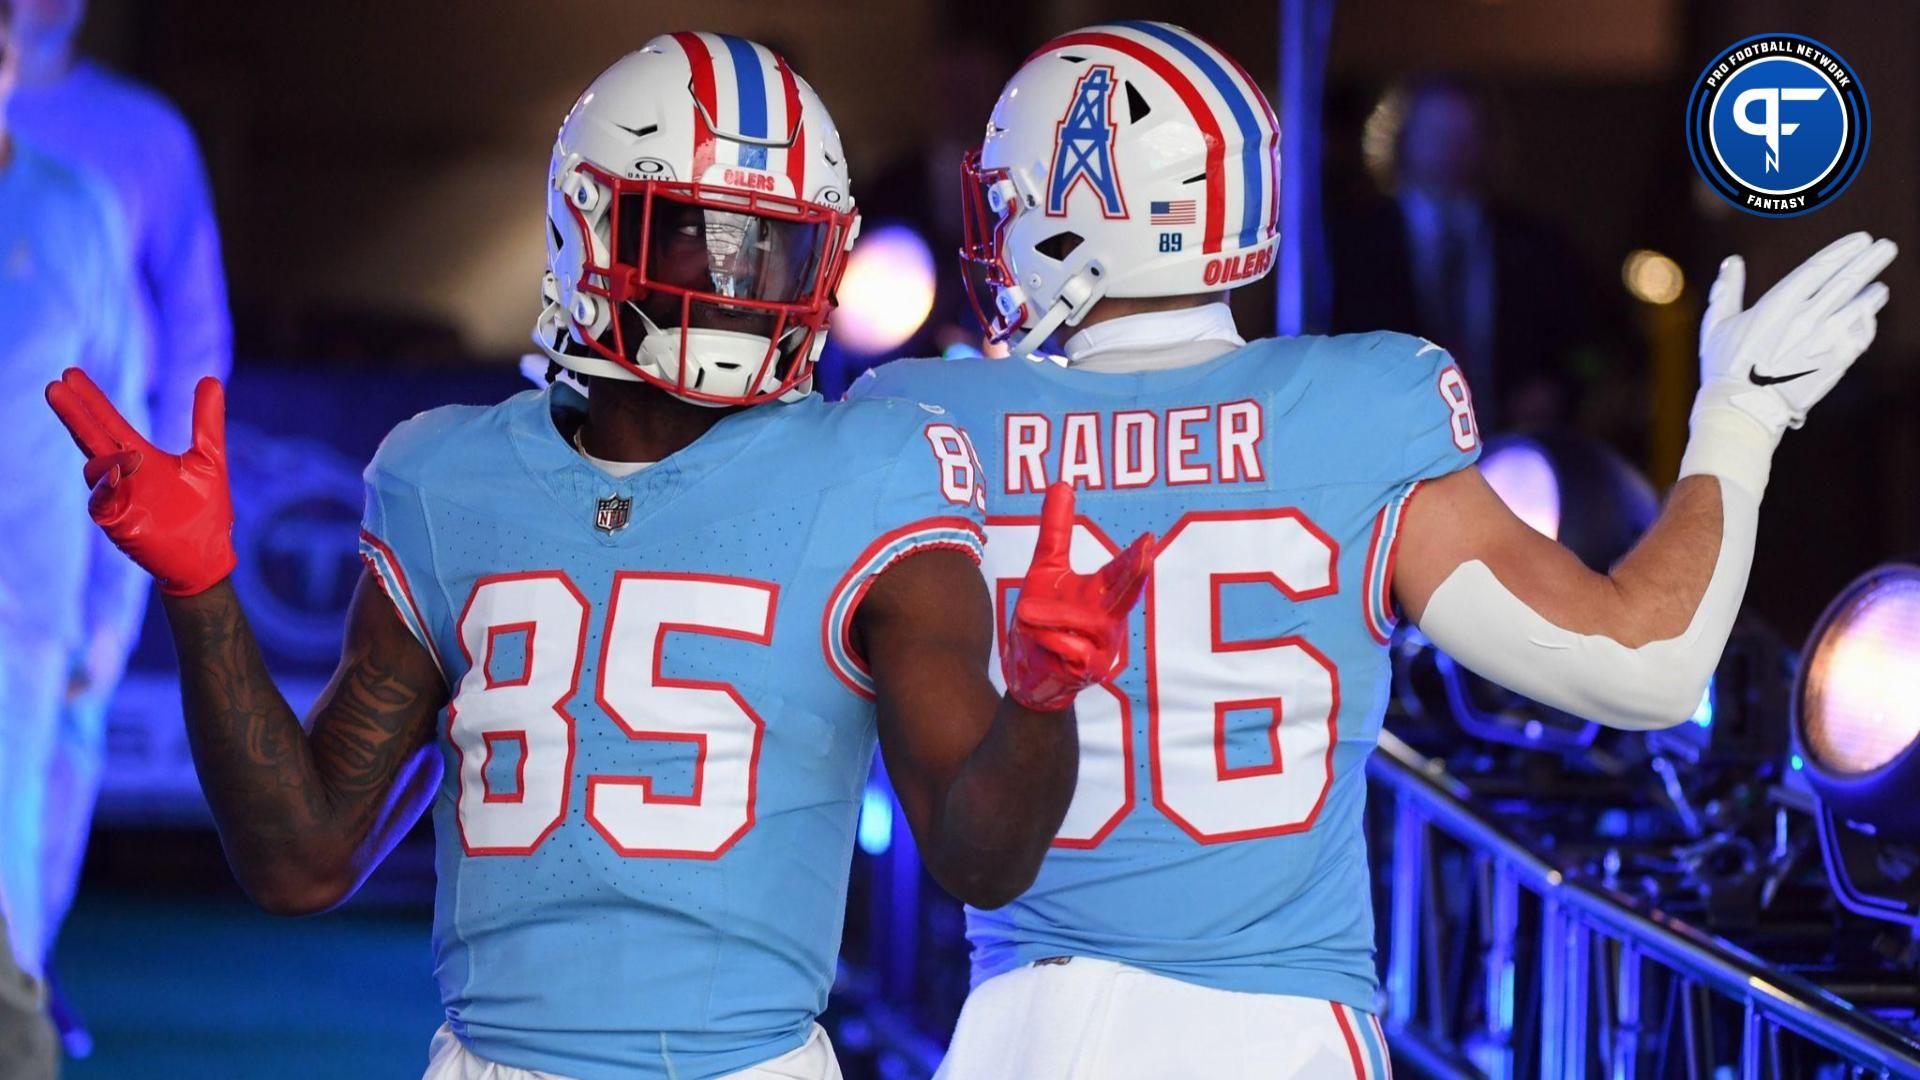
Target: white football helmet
(1127,159)
(698,220)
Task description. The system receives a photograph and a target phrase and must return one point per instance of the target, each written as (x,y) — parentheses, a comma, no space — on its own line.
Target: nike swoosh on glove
(1068,629)
(171,513)
(1775,360)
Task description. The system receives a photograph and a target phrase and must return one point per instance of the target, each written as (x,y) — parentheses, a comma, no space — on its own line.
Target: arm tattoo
(280,796)
(366,736)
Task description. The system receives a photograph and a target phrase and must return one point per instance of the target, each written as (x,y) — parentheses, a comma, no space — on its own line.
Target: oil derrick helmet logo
(1778,125)
(1083,147)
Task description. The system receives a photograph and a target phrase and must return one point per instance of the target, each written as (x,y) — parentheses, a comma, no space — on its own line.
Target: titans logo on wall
(296,505)
(1083,147)
(1778,125)
(296,528)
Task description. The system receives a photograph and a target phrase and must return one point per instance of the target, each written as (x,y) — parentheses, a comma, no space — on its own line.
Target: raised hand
(1775,360)
(1068,628)
(171,513)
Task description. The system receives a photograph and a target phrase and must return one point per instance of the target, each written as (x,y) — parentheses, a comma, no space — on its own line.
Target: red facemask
(983,258)
(691,256)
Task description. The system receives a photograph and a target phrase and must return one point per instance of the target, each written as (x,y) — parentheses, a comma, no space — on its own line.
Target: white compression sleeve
(1479,622)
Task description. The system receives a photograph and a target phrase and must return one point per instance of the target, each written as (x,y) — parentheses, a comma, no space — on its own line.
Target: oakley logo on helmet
(1083,147)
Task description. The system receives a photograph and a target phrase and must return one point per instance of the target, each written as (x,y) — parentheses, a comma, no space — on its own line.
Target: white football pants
(449,1059)
(1081,1019)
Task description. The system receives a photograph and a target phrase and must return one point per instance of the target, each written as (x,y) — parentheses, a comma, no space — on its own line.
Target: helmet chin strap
(1037,336)
(659,352)
(1076,297)
(553,333)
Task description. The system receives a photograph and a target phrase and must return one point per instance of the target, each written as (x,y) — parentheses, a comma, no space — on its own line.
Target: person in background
(1443,259)
(134,139)
(26,1036)
(66,297)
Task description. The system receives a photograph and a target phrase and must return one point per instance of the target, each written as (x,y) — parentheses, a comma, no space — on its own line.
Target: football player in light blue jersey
(630,645)
(1205,910)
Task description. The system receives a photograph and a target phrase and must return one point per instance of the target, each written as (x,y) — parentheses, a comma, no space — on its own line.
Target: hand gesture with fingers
(1068,628)
(171,513)
(1775,360)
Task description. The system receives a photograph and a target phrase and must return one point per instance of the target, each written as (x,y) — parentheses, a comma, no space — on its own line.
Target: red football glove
(171,513)
(1068,628)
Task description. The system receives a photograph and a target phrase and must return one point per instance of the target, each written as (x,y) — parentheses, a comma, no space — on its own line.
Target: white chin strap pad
(1036,336)
(1076,297)
(1480,623)
(718,361)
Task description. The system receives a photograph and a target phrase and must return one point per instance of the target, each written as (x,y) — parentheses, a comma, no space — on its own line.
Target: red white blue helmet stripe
(745,89)
(1239,102)
(750,98)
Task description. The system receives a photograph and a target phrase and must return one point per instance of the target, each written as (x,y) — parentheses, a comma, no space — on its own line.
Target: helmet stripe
(797,153)
(701,64)
(751,85)
(1252,139)
(1196,105)
(1273,140)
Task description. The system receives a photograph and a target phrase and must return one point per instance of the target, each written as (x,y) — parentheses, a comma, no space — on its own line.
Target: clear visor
(724,254)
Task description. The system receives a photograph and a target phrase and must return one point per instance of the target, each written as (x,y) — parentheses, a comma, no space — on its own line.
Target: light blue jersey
(659,734)
(1215,835)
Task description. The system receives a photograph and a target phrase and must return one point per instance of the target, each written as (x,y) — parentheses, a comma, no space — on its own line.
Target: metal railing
(1527,972)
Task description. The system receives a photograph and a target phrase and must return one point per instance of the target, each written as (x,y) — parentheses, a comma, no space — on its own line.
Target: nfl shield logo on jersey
(611,513)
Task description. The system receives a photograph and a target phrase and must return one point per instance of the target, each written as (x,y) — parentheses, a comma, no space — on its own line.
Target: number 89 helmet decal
(1128,159)
(698,220)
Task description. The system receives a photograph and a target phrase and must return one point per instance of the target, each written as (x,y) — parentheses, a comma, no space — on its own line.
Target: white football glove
(1770,363)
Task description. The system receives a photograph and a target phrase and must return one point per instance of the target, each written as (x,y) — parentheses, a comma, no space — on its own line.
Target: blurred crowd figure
(134,139)
(1443,258)
(28,1047)
(109,259)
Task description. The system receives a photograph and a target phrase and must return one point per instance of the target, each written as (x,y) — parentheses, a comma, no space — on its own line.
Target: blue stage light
(1613,823)
(875,833)
(1703,715)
